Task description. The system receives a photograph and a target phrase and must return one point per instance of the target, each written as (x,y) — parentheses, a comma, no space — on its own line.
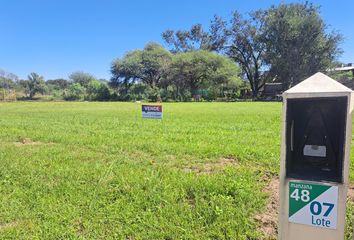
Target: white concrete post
(314,172)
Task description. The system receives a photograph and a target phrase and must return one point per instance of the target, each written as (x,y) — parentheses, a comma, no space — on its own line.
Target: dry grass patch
(28,141)
(5,226)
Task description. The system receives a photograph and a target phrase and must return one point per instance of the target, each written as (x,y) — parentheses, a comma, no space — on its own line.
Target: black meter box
(315,136)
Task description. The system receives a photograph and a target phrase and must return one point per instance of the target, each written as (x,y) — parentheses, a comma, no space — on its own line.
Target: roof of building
(348,68)
(318,83)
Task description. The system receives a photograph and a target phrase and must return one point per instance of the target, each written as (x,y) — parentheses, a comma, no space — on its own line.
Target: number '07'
(316,208)
(304,195)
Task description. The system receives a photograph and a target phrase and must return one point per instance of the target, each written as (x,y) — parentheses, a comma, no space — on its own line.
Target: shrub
(74,92)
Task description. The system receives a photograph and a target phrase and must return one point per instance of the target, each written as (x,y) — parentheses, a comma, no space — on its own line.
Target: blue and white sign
(152,111)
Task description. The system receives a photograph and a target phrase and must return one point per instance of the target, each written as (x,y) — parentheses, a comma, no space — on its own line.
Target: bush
(97,91)
(74,92)
(167,94)
(138,92)
(153,94)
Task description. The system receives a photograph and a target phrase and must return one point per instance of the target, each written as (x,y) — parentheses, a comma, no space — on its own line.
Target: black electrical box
(315,136)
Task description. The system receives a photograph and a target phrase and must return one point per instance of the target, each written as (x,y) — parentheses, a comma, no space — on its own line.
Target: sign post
(316,138)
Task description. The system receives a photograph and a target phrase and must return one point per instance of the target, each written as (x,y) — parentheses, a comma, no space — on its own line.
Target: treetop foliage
(196,38)
(35,84)
(298,42)
(285,43)
(170,76)
(82,78)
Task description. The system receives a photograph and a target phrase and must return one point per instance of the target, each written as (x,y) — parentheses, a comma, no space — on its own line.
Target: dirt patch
(28,141)
(171,157)
(9,225)
(269,218)
(211,167)
(80,228)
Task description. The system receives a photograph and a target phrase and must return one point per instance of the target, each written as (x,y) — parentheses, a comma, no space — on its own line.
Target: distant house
(345,80)
(346,68)
(272,91)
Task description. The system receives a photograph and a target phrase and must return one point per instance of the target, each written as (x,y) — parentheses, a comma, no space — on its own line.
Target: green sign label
(313,204)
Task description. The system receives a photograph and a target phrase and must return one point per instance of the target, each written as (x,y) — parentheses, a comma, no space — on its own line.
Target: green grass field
(98,171)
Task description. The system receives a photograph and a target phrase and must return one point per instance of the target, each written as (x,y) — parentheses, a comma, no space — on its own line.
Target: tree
(6,83)
(146,66)
(81,78)
(98,91)
(125,72)
(75,92)
(246,47)
(58,84)
(154,61)
(240,41)
(298,44)
(196,38)
(7,80)
(35,84)
(193,71)
(8,75)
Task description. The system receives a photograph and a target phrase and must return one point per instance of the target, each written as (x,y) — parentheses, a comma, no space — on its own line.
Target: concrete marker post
(314,172)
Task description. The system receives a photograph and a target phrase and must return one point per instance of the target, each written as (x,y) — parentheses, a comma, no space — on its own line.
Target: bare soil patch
(28,141)
(269,218)
(171,157)
(9,225)
(211,167)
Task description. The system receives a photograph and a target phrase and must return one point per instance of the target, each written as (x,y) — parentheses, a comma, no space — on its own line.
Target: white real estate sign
(152,111)
(313,204)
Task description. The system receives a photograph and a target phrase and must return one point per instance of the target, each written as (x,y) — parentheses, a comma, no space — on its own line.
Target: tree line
(230,59)
(79,86)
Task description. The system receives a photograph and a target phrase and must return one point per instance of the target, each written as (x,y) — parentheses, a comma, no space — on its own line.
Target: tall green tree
(247,48)
(298,41)
(197,38)
(125,72)
(7,80)
(81,78)
(193,71)
(285,43)
(58,84)
(7,75)
(240,40)
(7,83)
(35,84)
(146,66)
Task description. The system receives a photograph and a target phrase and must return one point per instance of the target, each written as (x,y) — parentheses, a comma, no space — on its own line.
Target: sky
(57,37)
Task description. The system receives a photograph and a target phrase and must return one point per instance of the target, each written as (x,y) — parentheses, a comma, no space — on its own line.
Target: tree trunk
(255,93)
(31,95)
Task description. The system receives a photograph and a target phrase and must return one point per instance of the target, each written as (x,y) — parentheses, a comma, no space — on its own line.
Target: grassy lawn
(98,171)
